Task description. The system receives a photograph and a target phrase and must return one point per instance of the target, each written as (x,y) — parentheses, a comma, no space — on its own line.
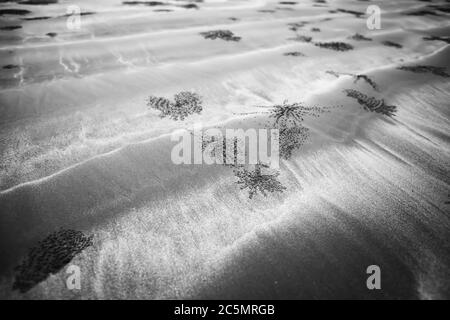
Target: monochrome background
(92,207)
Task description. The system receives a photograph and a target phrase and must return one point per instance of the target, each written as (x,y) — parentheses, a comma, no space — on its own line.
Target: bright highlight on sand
(245,149)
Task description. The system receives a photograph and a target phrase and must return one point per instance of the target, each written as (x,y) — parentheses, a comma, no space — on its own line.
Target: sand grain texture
(81,150)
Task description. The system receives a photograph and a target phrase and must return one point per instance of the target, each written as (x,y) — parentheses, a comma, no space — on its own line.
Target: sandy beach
(366,182)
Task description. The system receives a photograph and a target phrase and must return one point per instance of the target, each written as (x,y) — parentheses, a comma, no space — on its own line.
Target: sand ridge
(363,182)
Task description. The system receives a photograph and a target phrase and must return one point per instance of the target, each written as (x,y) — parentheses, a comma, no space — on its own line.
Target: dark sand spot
(315,29)
(298,24)
(284,8)
(288,2)
(258,182)
(10,66)
(294,26)
(294,54)
(17,12)
(38,2)
(355,13)
(49,257)
(52,34)
(337,46)
(288,119)
(371,104)
(226,35)
(294,113)
(437,38)
(85,13)
(301,38)
(37,18)
(11,28)
(439,71)
(368,80)
(145,3)
(291,139)
(360,37)
(442,8)
(392,44)
(421,13)
(189,6)
(186,103)
(356,78)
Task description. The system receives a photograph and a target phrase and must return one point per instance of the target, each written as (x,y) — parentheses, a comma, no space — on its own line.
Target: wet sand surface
(365,183)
